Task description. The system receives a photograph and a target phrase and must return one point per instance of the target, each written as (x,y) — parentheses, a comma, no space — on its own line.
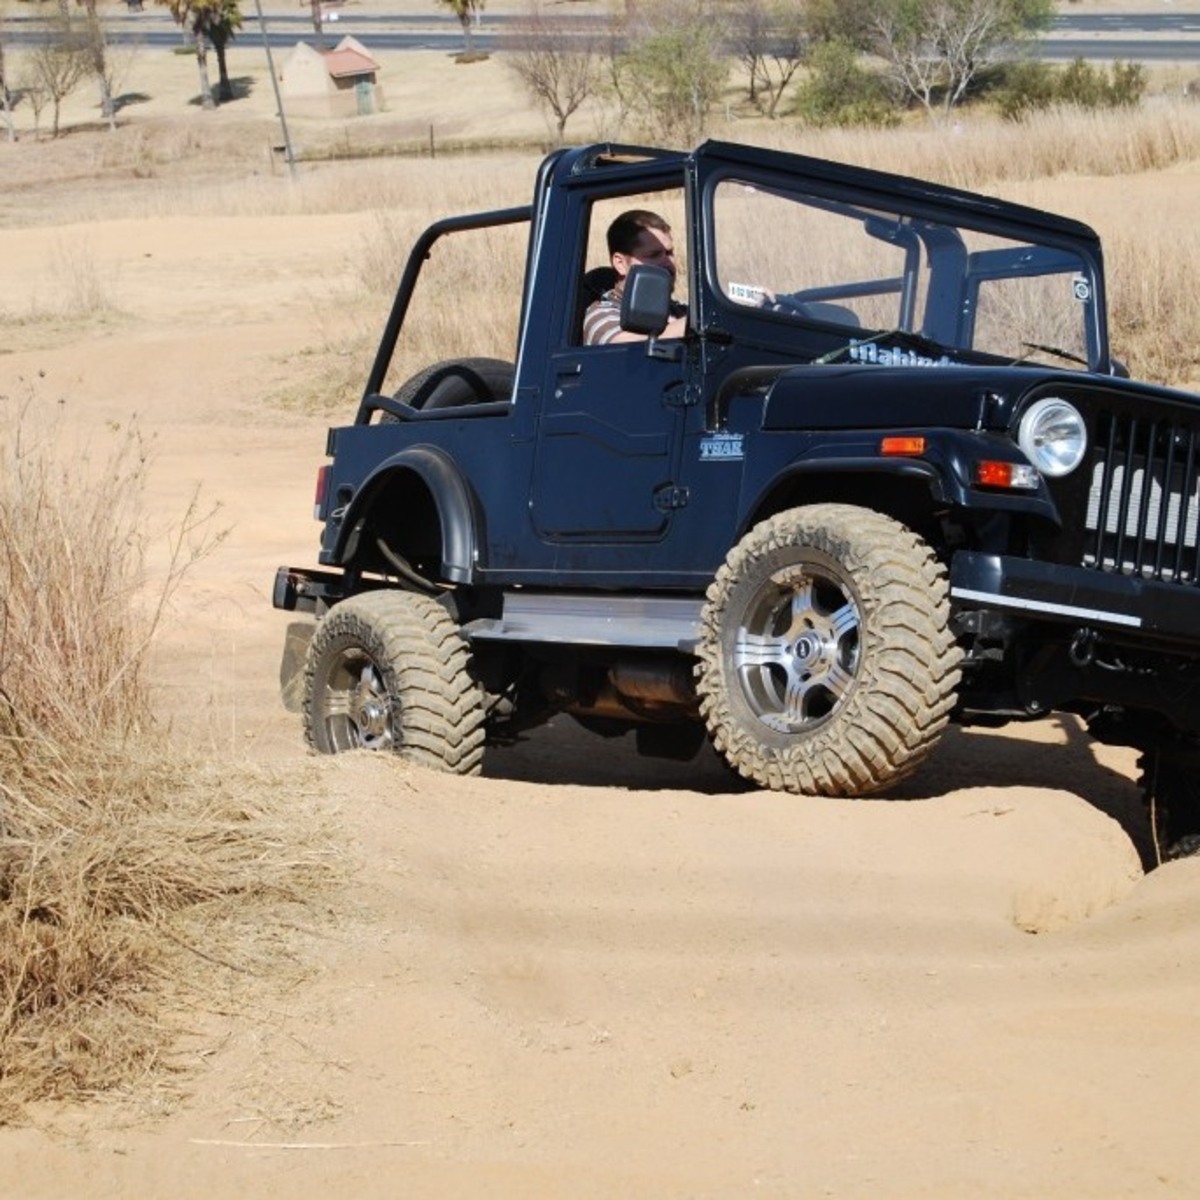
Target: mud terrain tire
(389,670)
(1171,791)
(827,666)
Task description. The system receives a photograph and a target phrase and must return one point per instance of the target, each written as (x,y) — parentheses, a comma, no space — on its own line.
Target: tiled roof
(340,63)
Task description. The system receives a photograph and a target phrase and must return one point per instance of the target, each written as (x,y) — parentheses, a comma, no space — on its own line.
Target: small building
(342,82)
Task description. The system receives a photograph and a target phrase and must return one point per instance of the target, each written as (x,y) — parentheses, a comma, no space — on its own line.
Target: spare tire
(457,382)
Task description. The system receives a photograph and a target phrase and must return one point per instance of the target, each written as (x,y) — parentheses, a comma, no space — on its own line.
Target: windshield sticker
(888,356)
(1083,290)
(721,447)
(746,293)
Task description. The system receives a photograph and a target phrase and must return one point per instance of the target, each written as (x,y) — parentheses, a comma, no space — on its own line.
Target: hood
(936,393)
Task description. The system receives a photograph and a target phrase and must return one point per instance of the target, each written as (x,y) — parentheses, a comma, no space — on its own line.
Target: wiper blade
(836,353)
(1057,351)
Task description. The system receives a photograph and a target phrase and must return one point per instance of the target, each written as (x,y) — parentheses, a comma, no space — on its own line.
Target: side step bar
(651,622)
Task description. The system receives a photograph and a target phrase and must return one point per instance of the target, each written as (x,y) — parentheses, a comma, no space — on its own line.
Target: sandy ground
(586,975)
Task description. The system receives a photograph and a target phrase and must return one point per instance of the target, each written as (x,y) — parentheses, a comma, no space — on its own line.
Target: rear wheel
(389,670)
(827,666)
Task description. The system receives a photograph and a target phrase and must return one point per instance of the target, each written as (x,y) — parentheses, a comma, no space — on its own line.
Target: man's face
(654,248)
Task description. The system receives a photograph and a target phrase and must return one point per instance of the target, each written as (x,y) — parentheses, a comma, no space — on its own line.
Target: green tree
(1032,86)
(222,30)
(675,68)
(210,22)
(468,14)
(1026,87)
(839,90)
(1087,86)
(847,21)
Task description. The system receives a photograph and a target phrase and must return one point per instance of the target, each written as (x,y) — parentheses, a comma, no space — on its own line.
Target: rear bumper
(299,589)
(1076,596)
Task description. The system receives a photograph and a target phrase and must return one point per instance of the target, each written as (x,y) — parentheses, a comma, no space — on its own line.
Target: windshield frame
(927,222)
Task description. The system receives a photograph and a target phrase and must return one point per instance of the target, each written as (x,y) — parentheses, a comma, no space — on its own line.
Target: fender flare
(942,473)
(458,513)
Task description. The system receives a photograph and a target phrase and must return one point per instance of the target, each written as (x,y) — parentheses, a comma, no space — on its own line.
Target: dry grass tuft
(120,861)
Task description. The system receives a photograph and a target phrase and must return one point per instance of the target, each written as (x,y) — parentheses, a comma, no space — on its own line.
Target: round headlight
(1053,436)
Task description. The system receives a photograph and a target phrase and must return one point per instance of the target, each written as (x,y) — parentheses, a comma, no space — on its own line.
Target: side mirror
(646,300)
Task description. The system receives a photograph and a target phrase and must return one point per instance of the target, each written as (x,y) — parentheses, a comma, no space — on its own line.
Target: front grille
(1144,499)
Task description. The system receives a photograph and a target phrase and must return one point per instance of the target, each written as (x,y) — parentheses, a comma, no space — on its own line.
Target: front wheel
(827,666)
(1169,785)
(389,670)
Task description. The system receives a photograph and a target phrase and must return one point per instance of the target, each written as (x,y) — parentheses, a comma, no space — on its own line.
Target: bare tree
(37,98)
(935,49)
(5,94)
(770,39)
(613,88)
(556,64)
(94,41)
(118,61)
(55,68)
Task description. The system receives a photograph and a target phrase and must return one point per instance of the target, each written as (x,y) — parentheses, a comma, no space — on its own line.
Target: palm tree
(467,12)
(221,32)
(209,21)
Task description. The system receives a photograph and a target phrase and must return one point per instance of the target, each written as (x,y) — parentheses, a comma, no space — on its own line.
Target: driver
(635,237)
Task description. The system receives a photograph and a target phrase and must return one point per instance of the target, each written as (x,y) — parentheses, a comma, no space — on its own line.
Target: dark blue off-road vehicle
(892,477)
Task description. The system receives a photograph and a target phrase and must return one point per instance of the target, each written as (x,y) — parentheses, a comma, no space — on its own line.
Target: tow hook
(1083,648)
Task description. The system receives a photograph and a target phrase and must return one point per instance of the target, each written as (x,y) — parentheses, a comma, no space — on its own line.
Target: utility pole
(287,140)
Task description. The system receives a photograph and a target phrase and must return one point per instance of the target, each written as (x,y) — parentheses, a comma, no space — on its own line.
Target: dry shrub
(1154,303)
(113,847)
(85,286)
(328,378)
(71,556)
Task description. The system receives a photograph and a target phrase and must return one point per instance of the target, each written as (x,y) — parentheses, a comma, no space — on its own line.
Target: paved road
(1131,37)
(1156,23)
(1134,37)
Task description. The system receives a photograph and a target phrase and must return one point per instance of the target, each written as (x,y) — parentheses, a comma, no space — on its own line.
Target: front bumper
(1077,596)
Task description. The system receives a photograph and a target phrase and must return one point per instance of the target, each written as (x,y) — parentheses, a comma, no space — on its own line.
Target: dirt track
(586,975)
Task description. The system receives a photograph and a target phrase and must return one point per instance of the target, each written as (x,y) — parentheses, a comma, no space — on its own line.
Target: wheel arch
(908,491)
(419,504)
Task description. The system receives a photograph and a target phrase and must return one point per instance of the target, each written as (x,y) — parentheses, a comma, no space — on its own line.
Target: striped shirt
(602,321)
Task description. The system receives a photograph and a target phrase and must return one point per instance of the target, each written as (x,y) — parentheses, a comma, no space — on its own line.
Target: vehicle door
(606,464)
(607,460)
